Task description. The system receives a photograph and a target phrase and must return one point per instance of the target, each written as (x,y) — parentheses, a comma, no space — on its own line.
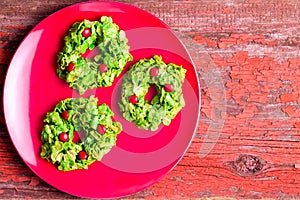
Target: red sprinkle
(101,129)
(65,115)
(169,87)
(82,155)
(86,32)
(133,99)
(64,137)
(103,68)
(71,67)
(154,71)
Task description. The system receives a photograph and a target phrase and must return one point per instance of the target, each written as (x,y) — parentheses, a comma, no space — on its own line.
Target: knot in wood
(248,165)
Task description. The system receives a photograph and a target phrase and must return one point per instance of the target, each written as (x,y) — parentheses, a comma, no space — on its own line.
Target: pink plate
(32,88)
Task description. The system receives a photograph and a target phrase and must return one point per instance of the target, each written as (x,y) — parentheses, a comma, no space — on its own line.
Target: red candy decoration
(133,99)
(103,68)
(154,71)
(101,129)
(169,87)
(64,137)
(70,67)
(86,32)
(65,115)
(82,155)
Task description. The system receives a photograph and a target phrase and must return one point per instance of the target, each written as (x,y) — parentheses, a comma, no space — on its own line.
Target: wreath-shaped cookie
(168,80)
(97,132)
(82,73)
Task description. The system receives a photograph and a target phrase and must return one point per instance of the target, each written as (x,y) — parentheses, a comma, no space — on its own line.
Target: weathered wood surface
(247,56)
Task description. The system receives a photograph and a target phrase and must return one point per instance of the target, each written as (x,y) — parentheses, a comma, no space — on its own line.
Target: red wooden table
(247,54)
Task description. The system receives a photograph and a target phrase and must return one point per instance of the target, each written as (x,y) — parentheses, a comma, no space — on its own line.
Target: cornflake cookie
(98,133)
(101,70)
(168,80)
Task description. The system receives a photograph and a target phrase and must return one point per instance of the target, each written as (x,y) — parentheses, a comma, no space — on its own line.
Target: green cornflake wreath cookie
(168,80)
(82,73)
(78,115)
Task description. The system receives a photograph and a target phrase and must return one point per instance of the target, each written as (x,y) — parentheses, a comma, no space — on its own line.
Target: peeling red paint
(254,46)
(34,181)
(235,39)
(17,27)
(287,98)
